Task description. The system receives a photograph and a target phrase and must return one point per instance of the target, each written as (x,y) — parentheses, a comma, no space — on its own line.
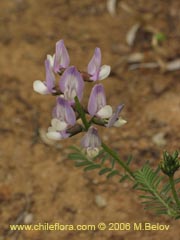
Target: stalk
(114,155)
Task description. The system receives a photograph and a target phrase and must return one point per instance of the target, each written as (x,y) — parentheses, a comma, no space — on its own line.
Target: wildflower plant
(70,117)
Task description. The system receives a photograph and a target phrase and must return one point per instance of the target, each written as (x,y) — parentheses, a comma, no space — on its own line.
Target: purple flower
(91,142)
(61,59)
(47,86)
(63,117)
(115,120)
(97,103)
(95,69)
(71,84)
(64,112)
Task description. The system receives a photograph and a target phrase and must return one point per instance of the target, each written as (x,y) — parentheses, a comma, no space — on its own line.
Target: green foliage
(99,162)
(157,193)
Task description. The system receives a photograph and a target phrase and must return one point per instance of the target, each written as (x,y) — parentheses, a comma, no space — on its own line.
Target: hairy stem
(114,155)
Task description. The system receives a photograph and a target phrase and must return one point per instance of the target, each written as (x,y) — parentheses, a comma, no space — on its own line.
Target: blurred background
(140,40)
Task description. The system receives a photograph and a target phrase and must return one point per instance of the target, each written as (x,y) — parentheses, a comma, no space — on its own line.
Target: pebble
(95,181)
(159,139)
(28,219)
(100,201)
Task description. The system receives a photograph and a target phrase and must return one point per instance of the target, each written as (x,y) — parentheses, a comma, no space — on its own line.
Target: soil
(38,183)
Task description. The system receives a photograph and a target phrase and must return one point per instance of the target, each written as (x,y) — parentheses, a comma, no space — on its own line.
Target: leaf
(129,160)
(113,173)
(83,163)
(104,170)
(112,162)
(167,187)
(92,167)
(76,156)
(123,178)
(104,158)
(148,181)
(147,197)
(135,185)
(74,148)
(161,211)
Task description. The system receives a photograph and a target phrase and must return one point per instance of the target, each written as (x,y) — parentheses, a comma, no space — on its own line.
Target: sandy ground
(37,179)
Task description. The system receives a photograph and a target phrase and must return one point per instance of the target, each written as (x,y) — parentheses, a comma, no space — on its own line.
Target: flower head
(91,142)
(61,59)
(63,117)
(115,120)
(95,69)
(47,86)
(97,103)
(71,84)
(170,163)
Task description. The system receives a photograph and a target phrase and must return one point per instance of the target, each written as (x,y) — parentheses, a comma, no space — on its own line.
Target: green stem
(81,113)
(114,155)
(171,181)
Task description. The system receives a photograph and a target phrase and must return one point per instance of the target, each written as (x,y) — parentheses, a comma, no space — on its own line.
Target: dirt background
(37,181)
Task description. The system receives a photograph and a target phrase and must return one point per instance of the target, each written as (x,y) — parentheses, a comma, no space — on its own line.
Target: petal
(120,122)
(104,72)
(69,114)
(71,84)
(92,152)
(91,138)
(54,135)
(94,64)
(97,99)
(64,112)
(105,112)
(51,59)
(40,87)
(61,59)
(50,78)
(51,129)
(115,116)
(58,125)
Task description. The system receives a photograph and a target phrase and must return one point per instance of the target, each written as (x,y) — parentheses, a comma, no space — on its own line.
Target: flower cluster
(66,113)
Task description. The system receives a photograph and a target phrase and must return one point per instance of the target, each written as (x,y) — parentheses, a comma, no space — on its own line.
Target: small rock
(100,201)
(159,139)
(95,181)
(28,219)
